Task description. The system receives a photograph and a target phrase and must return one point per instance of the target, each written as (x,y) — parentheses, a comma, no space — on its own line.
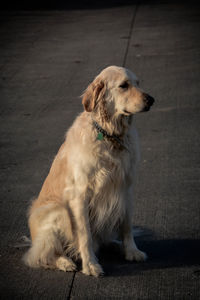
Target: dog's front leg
(130,248)
(90,265)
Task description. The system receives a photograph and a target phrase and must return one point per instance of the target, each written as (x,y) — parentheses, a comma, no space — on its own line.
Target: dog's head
(115,92)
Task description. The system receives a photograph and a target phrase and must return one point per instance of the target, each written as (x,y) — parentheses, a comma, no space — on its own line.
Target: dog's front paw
(135,254)
(93,269)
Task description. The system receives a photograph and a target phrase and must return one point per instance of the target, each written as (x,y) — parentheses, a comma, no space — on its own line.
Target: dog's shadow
(162,254)
(168,253)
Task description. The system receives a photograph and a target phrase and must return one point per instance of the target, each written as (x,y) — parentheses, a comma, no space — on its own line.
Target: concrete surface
(47,58)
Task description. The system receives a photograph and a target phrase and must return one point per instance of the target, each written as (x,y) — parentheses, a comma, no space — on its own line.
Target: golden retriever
(86,199)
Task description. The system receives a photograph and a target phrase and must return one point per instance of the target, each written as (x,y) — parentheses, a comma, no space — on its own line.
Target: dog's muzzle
(148,101)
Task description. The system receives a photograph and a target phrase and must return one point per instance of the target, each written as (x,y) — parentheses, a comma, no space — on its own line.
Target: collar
(102,133)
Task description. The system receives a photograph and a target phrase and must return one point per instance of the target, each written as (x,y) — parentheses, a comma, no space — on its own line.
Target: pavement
(48,57)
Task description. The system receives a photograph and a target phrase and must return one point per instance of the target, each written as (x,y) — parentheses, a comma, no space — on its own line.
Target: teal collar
(102,133)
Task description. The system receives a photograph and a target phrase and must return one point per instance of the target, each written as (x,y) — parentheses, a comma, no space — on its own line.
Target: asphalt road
(47,58)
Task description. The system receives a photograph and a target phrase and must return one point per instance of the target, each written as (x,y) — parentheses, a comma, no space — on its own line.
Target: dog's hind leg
(47,252)
(64,263)
(50,239)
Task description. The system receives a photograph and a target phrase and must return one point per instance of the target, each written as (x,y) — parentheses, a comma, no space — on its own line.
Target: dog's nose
(148,99)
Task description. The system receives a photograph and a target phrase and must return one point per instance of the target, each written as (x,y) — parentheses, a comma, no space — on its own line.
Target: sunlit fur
(86,199)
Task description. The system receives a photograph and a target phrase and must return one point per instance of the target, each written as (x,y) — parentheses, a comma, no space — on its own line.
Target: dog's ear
(94,92)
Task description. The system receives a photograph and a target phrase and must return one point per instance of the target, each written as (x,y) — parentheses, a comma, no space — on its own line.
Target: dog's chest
(115,168)
(109,185)
(112,171)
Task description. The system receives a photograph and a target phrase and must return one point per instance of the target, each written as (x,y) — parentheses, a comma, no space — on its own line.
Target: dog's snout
(148,99)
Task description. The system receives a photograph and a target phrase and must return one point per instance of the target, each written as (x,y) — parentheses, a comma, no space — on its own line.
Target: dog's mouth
(127,113)
(148,101)
(147,108)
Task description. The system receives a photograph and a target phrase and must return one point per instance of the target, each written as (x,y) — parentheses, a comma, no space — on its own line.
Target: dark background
(48,55)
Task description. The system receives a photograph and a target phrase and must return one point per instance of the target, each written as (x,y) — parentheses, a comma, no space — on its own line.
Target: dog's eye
(124,85)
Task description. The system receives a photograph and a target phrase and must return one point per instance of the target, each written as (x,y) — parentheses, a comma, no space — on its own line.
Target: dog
(87,197)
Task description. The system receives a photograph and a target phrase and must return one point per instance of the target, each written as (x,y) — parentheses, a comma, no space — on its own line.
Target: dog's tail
(23,242)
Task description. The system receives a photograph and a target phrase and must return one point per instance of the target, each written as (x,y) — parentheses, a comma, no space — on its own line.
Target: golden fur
(86,199)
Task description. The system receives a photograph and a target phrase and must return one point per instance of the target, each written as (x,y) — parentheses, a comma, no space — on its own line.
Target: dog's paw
(65,264)
(93,269)
(136,255)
